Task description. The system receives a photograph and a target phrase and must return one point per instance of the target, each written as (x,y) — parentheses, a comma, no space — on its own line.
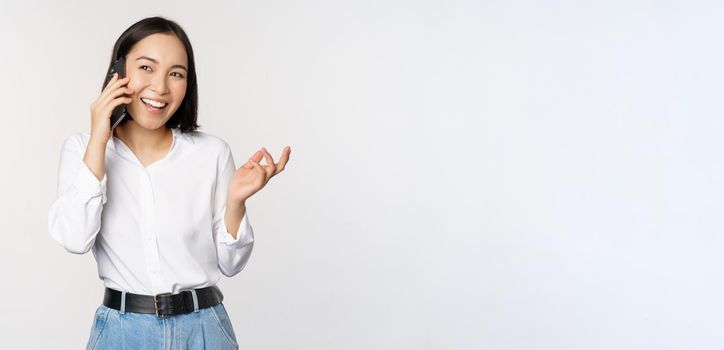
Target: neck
(141,139)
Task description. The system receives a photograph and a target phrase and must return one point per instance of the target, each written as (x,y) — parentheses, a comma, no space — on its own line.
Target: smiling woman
(161,205)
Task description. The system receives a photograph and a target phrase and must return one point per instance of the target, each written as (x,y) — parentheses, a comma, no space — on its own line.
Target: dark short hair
(185,116)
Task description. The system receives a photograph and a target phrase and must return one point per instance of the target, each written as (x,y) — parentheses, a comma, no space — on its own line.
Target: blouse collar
(122,149)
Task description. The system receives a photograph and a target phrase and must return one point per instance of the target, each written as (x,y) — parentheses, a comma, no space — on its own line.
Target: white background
(464,175)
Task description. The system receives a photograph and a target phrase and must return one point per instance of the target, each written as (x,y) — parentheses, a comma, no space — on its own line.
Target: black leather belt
(166,304)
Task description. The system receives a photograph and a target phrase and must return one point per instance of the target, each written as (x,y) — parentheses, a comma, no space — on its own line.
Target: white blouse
(155,229)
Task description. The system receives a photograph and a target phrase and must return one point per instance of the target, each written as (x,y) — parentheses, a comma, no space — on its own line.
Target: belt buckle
(156,299)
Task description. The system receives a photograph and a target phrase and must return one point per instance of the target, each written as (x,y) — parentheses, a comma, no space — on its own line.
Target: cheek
(179,92)
(136,81)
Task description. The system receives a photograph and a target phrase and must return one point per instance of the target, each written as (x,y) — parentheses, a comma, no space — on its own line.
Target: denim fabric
(209,328)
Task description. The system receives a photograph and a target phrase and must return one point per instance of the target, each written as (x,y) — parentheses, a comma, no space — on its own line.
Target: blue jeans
(208,328)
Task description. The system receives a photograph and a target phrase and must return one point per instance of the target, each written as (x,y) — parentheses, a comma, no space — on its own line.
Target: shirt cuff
(244,235)
(86,181)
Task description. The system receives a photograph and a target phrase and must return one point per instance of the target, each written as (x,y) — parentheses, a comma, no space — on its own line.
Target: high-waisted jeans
(208,328)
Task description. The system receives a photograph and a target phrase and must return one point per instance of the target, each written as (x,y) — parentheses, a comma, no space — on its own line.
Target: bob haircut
(185,116)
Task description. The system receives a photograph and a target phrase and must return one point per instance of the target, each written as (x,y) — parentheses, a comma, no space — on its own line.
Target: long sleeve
(74,218)
(233,254)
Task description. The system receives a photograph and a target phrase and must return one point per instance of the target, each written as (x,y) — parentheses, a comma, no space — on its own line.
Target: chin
(152,124)
(147,123)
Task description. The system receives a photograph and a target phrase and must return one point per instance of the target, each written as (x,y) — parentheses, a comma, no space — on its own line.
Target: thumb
(258,156)
(254,163)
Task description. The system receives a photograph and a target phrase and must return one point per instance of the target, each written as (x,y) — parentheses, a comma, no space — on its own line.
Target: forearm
(95,158)
(234,213)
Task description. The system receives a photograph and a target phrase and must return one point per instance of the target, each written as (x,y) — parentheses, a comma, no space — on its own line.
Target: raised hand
(252,176)
(114,94)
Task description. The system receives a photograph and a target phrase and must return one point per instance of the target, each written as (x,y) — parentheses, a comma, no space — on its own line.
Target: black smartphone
(120,111)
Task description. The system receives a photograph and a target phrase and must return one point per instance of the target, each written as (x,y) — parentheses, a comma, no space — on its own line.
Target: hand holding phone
(119,112)
(110,106)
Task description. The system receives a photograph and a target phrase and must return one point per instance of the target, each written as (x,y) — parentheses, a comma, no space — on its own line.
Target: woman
(161,205)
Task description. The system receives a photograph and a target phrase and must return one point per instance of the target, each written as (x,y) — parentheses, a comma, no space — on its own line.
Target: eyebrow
(156,62)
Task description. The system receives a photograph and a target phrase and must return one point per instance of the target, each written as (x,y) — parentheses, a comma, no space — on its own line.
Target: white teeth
(154,103)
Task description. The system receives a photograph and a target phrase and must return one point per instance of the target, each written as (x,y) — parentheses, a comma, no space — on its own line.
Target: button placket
(150,246)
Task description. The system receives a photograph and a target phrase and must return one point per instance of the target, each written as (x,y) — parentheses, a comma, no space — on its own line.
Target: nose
(158,85)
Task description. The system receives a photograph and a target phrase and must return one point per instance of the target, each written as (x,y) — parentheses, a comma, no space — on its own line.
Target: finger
(111,87)
(258,156)
(101,96)
(283,159)
(271,167)
(260,168)
(118,101)
(121,81)
(114,85)
(114,77)
(118,92)
(113,80)
(248,164)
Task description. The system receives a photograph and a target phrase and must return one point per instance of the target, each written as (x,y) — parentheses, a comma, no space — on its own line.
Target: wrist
(236,204)
(96,142)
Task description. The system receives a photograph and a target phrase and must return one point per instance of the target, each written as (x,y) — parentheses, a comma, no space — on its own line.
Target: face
(157,70)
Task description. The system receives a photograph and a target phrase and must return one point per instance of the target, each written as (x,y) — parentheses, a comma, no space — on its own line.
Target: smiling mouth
(155,105)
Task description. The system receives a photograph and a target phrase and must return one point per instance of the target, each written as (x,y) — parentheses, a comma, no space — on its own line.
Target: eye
(144,66)
(179,74)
